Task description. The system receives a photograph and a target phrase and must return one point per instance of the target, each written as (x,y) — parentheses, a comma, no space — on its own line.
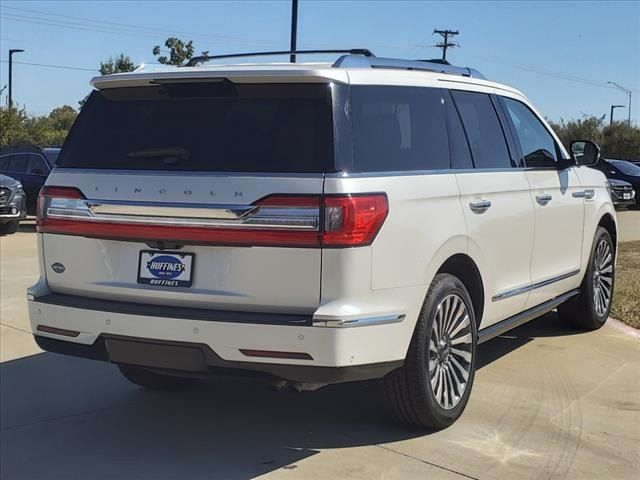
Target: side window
(486,138)
(537,144)
(18,164)
(37,165)
(399,129)
(458,144)
(4,162)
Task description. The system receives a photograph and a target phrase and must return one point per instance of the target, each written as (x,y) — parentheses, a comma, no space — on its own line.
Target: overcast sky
(560,54)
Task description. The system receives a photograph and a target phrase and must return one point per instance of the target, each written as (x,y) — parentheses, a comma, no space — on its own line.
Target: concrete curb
(623,327)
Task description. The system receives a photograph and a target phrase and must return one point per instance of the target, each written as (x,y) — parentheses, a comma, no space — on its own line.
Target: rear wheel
(153,380)
(590,309)
(432,388)
(8,228)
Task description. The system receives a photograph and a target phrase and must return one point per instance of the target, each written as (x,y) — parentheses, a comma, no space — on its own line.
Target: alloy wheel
(602,277)
(450,351)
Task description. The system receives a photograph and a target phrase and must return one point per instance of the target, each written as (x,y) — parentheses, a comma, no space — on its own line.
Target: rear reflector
(57,331)
(275,220)
(274,354)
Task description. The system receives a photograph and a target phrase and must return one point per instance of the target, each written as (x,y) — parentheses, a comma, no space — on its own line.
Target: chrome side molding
(533,286)
(521,318)
(357,322)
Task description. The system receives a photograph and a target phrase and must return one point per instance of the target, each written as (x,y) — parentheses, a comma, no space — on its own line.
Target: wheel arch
(462,266)
(609,224)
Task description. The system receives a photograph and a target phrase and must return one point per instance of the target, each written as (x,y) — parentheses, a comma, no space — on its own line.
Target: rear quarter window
(398,128)
(483,129)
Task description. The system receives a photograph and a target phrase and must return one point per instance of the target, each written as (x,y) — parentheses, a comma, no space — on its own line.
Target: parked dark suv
(30,165)
(622,170)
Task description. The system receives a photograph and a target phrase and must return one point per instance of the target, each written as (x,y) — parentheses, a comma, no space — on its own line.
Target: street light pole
(294,29)
(628,92)
(11,52)
(611,114)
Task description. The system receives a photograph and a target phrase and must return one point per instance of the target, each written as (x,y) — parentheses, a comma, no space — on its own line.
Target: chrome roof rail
(204,58)
(361,61)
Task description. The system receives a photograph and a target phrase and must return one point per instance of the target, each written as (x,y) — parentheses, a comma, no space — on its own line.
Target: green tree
(13,126)
(619,140)
(118,65)
(179,51)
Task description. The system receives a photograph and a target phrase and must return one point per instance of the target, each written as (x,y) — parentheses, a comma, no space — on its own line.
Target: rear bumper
(193,358)
(221,338)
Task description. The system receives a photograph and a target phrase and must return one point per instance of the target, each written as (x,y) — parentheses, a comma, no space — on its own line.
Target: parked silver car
(13,206)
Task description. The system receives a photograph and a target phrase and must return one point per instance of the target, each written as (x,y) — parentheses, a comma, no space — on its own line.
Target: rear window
(213,126)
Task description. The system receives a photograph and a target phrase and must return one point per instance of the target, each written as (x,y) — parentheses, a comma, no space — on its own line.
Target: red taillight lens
(275,220)
(353,220)
(62,195)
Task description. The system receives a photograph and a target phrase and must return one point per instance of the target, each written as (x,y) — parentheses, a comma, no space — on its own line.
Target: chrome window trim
(417,173)
(533,286)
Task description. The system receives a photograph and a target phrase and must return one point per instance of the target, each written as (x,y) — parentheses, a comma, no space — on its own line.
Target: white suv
(316,223)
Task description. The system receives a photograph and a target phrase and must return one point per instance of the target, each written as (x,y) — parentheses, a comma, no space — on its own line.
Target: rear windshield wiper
(169,155)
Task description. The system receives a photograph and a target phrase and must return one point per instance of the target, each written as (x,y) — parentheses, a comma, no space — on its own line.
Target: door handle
(543,198)
(480,206)
(588,194)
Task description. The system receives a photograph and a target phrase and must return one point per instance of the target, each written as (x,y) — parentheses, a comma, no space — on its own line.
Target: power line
(128,28)
(53,66)
(540,71)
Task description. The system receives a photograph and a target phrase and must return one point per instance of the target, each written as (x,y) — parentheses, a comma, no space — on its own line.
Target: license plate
(626,196)
(165,269)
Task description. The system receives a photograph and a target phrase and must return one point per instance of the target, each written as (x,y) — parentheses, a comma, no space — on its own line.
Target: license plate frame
(167,271)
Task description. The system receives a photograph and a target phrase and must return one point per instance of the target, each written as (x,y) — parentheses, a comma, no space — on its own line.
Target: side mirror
(585,152)
(37,171)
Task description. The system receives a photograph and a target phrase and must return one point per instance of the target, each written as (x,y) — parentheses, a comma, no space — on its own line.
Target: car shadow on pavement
(64,417)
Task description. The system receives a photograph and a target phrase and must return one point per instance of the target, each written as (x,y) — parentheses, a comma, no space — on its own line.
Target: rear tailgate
(247,277)
(143,208)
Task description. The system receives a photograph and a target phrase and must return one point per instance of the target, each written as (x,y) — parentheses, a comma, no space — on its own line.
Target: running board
(523,317)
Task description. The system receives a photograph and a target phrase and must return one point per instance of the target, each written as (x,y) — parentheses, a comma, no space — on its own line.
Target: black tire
(583,310)
(9,228)
(409,389)
(153,380)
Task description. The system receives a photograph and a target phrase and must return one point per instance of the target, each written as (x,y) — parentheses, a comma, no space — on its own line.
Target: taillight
(276,220)
(66,200)
(353,220)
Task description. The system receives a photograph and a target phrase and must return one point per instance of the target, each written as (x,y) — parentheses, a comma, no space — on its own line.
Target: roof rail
(360,61)
(362,52)
(357,58)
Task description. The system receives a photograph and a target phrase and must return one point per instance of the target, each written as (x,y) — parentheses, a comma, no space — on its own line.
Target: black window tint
(483,129)
(18,163)
(458,145)
(399,129)
(4,162)
(537,144)
(37,165)
(217,126)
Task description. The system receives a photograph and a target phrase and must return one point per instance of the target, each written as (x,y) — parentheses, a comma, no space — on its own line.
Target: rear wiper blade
(170,155)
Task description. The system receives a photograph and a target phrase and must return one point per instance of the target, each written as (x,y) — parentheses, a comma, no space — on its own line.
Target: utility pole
(445,34)
(11,52)
(294,29)
(611,114)
(628,92)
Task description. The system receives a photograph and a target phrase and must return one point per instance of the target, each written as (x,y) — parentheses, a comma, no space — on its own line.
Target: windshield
(209,126)
(627,168)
